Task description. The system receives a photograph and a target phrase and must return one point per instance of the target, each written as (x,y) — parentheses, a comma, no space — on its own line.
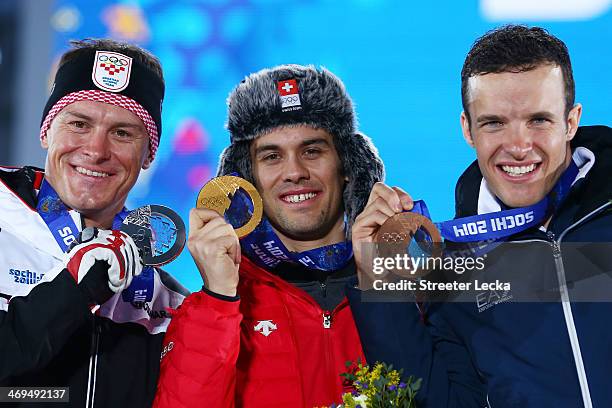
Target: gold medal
(217,195)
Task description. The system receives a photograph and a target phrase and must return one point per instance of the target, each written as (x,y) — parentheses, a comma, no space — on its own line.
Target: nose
(97,146)
(518,143)
(295,169)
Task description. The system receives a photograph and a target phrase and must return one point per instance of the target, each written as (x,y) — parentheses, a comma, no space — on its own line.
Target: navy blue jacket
(494,348)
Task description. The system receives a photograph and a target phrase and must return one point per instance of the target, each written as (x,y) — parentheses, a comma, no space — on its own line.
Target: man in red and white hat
(100,127)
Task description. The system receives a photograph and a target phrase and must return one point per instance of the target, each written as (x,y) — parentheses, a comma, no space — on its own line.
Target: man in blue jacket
(506,348)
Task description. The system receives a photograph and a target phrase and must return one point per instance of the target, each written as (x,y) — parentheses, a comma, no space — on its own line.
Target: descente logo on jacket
(26,277)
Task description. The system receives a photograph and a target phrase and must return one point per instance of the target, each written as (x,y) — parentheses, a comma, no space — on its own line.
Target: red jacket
(216,353)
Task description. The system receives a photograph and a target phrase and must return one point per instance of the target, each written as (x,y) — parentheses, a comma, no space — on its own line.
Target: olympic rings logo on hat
(113,60)
(290,99)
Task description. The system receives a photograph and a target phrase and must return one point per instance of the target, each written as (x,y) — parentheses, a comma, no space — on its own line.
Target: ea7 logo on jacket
(487,299)
(265,327)
(26,277)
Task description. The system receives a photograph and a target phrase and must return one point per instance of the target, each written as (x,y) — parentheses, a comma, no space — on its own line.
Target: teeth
(91,173)
(298,198)
(518,170)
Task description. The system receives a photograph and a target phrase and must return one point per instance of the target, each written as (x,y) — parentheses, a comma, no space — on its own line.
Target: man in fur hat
(271,326)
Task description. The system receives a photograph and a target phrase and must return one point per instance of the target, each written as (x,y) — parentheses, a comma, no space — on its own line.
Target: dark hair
(104,44)
(517,48)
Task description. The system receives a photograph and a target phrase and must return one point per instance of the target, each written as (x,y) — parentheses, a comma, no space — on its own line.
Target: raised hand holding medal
(383,203)
(228,207)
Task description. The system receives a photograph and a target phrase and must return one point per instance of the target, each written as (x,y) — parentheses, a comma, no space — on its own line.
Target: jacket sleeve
(37,326)
(200,350)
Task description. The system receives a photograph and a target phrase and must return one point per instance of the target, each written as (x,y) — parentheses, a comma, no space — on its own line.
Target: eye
(270,157)
(78,124)
(492,124)
(312,152)
(540,121)
(122,133)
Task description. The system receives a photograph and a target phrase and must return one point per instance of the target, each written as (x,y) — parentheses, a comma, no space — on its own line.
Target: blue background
(400,62)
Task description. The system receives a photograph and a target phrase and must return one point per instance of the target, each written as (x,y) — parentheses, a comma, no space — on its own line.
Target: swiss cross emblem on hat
(288,87)
(111,71)
(289,95)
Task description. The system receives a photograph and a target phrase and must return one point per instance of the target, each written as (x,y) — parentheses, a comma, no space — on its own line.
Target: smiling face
(520,131)
(298,173)
(95,153)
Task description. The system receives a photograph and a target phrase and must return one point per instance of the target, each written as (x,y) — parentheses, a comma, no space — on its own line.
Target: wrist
(224,290)
(220,296)
(95,283)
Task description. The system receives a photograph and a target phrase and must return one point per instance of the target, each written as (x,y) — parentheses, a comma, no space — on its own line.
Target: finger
(405,199)
(381,190)
(217,231)
(230,245)
(133,259)
(380,204)
(199,217)
(235,252)
(373,220)
(203,231)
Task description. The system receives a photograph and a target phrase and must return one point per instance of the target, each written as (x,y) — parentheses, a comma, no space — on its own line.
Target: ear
(147,163)
(465,128)
(44,143)
(573,121)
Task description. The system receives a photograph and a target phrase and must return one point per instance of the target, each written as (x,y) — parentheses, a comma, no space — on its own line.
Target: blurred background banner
(400,61)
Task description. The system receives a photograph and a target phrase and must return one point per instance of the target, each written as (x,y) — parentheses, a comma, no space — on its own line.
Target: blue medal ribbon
(497,226)
(56,216)
(265,248)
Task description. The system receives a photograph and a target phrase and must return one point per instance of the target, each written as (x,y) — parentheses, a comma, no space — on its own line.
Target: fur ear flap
(236,158)
(364,168)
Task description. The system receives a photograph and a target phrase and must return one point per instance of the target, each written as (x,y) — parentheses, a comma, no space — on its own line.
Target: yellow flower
(362,374)
(375,375)
(393,377)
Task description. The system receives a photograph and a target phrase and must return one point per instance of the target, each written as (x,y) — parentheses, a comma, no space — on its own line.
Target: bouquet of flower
(378,387)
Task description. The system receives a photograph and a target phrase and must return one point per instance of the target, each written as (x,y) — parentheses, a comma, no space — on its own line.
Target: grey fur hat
(256,107)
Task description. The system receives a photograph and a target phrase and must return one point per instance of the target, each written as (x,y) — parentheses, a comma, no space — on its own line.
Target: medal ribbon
(265,248)
(499,225)
(56,216)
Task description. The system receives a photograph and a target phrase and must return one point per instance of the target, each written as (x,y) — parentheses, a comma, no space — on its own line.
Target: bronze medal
(217,195)
(396,234)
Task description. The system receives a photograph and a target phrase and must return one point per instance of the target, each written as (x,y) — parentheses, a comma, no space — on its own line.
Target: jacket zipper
(569,321)
(327,333)
(327,323)
(93,365)
(567,309)
(566,304)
